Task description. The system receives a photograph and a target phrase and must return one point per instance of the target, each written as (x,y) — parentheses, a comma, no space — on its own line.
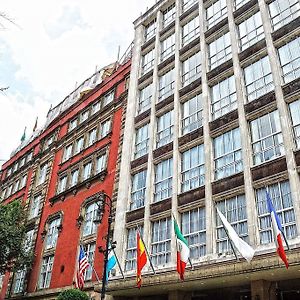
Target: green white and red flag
(183,251)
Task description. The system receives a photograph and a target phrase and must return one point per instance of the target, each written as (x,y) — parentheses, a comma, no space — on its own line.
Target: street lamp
(103,197)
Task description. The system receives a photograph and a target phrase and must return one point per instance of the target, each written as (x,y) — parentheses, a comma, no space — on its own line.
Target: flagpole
(97,277)
(146,251)
(119,265)
(285,239)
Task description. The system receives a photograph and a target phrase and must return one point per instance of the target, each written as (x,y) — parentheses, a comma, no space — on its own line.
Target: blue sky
(56,44)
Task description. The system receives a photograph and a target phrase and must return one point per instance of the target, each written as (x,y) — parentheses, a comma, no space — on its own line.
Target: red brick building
(58,174)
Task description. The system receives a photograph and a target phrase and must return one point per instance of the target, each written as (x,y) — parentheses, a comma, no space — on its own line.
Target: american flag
(83,264)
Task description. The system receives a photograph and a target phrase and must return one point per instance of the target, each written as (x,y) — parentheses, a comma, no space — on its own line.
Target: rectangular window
(105,128)
(289,55)
(150,30)
(283,203)
(234,210)
(192,114)
(223,97)
(145,99)
(19,281)
(163,180)
(92,136)
(161,242)
(166,85)
(101,162)
(258,79)
(228,154)
(28,240)
(240,3)
(29,156)
(130,260)
(186,4)
(141,141)
(74,177)
(68,152)
(84,116)
(167,47)
(190,31)
(96,107)
(138,190)
(193,224)
(216,12)
(35,206)
(22,161)
(108,98)
(42,173)
(251,31)
(9,190)
(89,226)
(168,15)
(191,69)
(148,61)
(52,233)
(267,141)
(87,171)
(16,186)
(192,168)
(23,180)
(62,184)
(89,251)
(164,129)
(46,272)
(283,12)
(295,114)
(219,50)
(73,124)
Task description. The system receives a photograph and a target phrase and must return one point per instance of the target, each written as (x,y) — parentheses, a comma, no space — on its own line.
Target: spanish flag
(141,259)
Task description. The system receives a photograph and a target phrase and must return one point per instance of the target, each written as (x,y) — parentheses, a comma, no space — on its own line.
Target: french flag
(277,230)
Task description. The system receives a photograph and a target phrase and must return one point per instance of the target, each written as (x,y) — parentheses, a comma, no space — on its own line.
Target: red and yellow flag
(141,259)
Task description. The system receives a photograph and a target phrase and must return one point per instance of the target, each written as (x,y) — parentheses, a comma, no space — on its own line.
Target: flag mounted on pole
(35,125)
(23,137)
(141,258)
(183,251)
(83,264)
(245,250)
(277,230)
(112,261)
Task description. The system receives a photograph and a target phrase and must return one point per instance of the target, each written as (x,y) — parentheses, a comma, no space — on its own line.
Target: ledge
(228,183)
(162,150)
(139,161)
(244,8)
(190,87)
(224,120)
(286,28)
(164,102)
(216,27)
(191,196)
(260,102)
(190,45)
(136,214)
(148,43)
(252,49)
(145,76)
(160,206)
(142,116)
(291,87)
(166,62)
(166,29)
(191,136)
(219,69)
(189,11)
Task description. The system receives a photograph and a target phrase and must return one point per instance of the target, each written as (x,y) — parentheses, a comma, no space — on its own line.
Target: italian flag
(183,251)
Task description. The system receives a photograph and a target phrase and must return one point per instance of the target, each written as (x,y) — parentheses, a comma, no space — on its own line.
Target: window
(87,170)
(68,152)
(84,116)
(167,47)
(73,124)
(145,98)
(193,224)
(240,3)
(219,50)
(74,177)
(161,242)
(19,281)
(16,186)
(164,129)
(186,4)
(141,141)
(281,197)
(130,261)
(192,168)
(89,250)
(258,79)
(267,141)
(52,233)
(96,107)
(166,85)
(89,227)
(223,97)
(234,210)
(105,128)
(138,190)
(190,31)
(92,136)
(289,55)
(29,156)
(79,145)
(22,162)
(169,15)
(163,180)
(101,163)
(283,12)
(28,243)
(35,206)
(9,190)
(8,172)
(251,31)
(191,69)
(228,154)
(216,12)
(23,180)
(148,61)
(295,114)
(62,184)
(46,271)
(192,117)
(150,30)
(108,98)
(42,173)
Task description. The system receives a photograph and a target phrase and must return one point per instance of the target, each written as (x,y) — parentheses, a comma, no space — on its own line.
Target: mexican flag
(183,251)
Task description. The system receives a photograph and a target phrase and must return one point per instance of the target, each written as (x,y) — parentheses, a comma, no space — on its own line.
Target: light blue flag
(112,261)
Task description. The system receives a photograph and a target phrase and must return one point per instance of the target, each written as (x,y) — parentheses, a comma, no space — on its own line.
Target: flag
(24,135)
(245,250)
(35,125)
(83,264)
(141,258)
(277,230)
(112,261)
(183,251)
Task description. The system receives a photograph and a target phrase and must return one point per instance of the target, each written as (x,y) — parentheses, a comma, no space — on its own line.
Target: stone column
(263,290)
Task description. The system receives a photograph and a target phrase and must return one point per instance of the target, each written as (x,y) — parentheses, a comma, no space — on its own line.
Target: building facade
(60,172)
(213,120)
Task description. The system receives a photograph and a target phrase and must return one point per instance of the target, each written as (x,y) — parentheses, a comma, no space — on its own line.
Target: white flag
(245,250)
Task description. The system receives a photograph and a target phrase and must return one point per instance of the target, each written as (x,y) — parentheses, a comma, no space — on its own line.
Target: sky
(52,45)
